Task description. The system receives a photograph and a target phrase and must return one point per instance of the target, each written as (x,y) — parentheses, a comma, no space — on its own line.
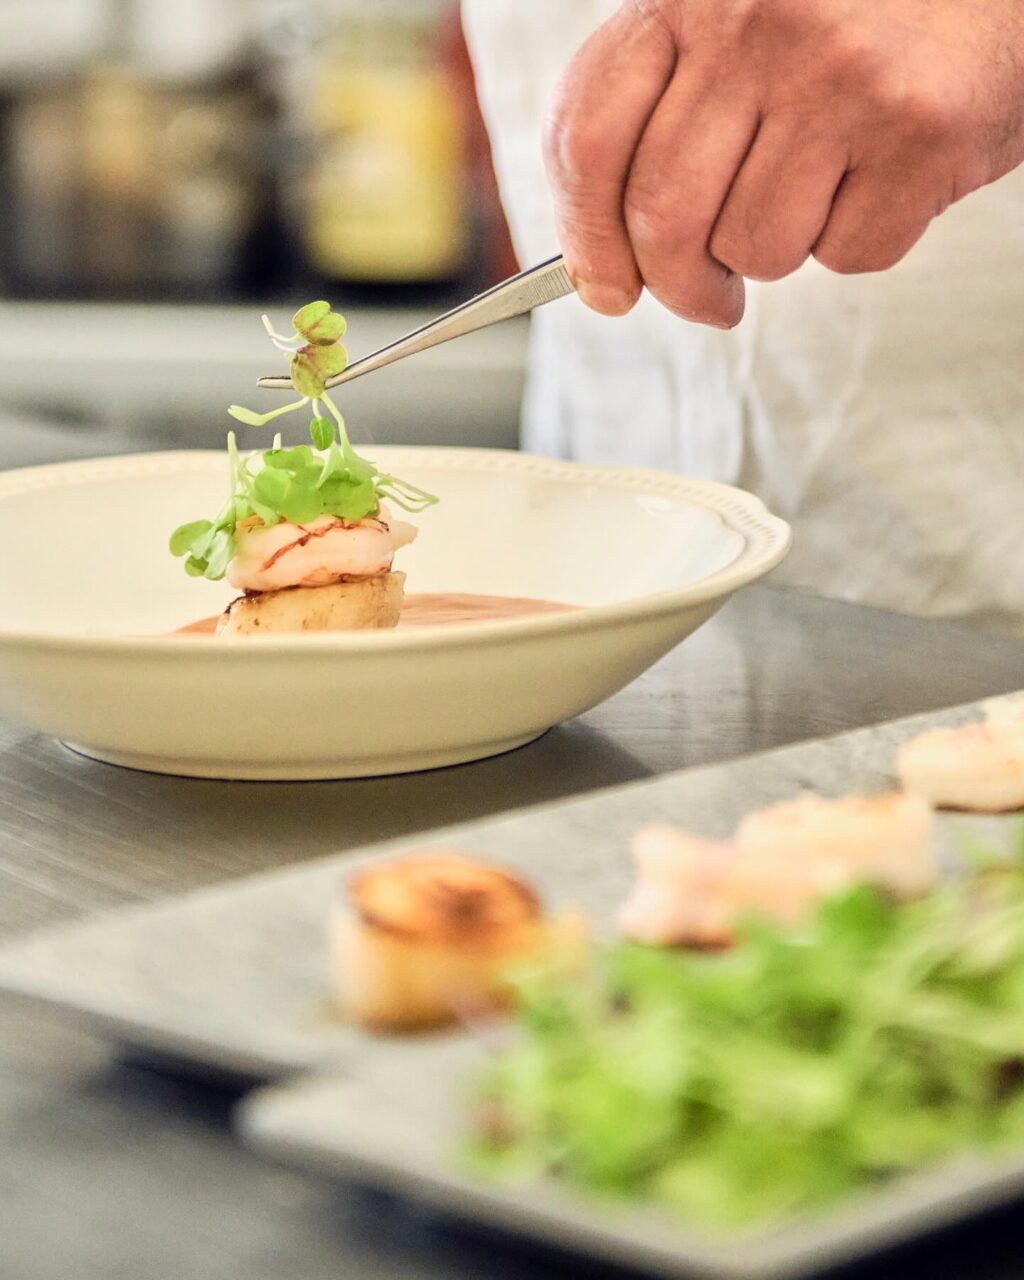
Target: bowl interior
(86,543)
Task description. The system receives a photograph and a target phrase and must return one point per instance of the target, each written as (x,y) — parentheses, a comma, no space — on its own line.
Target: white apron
(882,415)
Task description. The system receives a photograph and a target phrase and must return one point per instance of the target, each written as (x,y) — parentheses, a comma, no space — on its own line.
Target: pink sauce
(437,609)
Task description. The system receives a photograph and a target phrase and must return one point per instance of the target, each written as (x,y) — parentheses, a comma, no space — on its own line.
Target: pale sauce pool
(438,609)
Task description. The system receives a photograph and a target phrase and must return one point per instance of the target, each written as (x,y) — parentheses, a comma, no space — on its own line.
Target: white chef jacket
(882,415)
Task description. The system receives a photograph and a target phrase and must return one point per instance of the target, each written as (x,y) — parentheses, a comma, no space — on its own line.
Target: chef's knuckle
(853,58)
(733,249)
(774,267)
(757,257)
(571,148)
(739,20)
(781,17)
(593,241)
(839,256)
(779,28)
(853,255)
(654,217)
(891,93)
(931,113)
(655,16)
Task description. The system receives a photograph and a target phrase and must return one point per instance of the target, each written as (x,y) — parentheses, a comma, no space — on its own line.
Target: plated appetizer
(977,767)
(306,535)
(855,1020)
(796,1013)
(432,937)
(742,1087)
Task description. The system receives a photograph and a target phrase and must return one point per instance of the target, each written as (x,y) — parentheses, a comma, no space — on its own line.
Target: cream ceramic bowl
(88,592)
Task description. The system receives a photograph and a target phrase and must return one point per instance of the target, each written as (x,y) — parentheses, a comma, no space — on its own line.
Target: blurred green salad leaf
(742,1087)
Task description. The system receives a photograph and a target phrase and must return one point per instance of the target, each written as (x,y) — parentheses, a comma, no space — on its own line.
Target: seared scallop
(368,604)
(431,937)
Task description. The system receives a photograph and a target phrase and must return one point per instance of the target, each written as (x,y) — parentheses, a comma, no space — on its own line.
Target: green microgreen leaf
(349,500)
(300,505)
(202,544)
(221,550)
(312,366)
(321,432)
(268,515)
(318,324)
(332,465)
(185,535)
(271,486)
(292,459)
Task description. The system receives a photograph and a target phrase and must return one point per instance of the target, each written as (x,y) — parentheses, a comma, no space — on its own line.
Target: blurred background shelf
(156,376)
(171,168)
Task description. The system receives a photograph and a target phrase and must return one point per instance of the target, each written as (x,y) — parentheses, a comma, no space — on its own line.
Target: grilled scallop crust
(364,604)
(429,938)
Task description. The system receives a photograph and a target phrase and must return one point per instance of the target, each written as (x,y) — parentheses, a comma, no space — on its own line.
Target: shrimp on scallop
(977,767)
(328,574)
(880,839)
(782,861)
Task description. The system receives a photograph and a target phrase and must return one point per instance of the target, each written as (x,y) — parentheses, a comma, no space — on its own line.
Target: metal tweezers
(513,297)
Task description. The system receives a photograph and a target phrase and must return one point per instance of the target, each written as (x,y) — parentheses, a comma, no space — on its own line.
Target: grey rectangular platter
(396,1122)
(236,979)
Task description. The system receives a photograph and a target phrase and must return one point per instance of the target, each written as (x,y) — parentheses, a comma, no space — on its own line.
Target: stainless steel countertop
(115,1171)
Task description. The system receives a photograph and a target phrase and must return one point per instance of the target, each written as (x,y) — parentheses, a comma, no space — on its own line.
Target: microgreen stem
(252,419)
(233,461)
(336,414)
(403,494)
(408,496)
(277,338)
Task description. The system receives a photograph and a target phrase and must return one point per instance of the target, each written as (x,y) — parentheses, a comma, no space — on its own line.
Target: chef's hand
(695,142)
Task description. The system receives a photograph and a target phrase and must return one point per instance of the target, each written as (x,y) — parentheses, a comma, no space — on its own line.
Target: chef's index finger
(598,115)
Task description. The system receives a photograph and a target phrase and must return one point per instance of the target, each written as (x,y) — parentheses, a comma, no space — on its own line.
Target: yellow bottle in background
(386,199)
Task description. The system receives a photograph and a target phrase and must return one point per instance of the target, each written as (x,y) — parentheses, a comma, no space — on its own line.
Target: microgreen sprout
(301,483)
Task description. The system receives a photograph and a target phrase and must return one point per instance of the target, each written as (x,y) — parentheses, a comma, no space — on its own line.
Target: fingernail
(608,299)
